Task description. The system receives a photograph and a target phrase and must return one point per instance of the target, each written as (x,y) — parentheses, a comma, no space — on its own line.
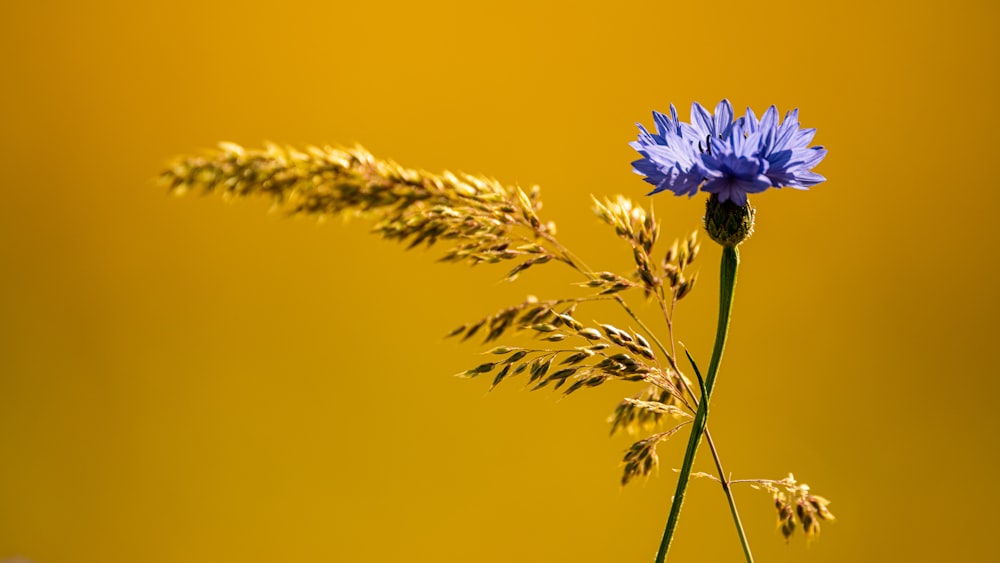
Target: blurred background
(183,379)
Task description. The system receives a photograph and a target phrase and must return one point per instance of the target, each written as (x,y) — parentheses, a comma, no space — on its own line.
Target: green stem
(732,500)
(727,288)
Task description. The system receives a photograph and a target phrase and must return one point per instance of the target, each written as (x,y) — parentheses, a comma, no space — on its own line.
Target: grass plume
(480,220)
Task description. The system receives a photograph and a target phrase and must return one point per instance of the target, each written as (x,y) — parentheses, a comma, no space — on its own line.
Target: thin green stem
(727,288)
(732,500)
(723,478)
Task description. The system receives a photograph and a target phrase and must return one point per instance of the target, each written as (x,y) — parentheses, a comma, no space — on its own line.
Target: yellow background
(186,380)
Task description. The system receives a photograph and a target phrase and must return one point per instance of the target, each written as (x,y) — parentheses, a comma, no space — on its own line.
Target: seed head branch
(485,221)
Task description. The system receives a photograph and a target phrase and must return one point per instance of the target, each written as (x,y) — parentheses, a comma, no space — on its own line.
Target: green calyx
(727,223)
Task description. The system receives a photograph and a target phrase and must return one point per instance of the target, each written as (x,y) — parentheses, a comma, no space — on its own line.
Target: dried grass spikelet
(486,221)
(641,230)
(630,221)
(646,410)
(595,361)
(796,506)
(531,313)
(679,256)
(602,355)
(608,283)
(640,459)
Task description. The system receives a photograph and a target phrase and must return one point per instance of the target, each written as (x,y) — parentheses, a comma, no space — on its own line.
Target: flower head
(729,158)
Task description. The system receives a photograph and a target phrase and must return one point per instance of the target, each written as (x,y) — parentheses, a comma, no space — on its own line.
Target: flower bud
(727,223)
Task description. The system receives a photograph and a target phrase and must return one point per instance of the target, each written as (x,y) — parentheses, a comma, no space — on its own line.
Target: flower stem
(727,288)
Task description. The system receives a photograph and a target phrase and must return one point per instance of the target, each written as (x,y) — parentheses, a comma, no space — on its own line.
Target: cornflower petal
(723,119)
(809,179)
(769,120)
(750,122)
(702,121)
(808,157)
(803,137)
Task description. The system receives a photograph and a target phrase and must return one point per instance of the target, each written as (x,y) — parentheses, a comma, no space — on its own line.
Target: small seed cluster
(607,353)
(645,410)
(608,283)
(486,221)
(679,256)
(797,506)
(641,230)
(531,313)
(641,459)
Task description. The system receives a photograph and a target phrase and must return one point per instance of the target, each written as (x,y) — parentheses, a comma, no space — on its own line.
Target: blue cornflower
(726,157)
